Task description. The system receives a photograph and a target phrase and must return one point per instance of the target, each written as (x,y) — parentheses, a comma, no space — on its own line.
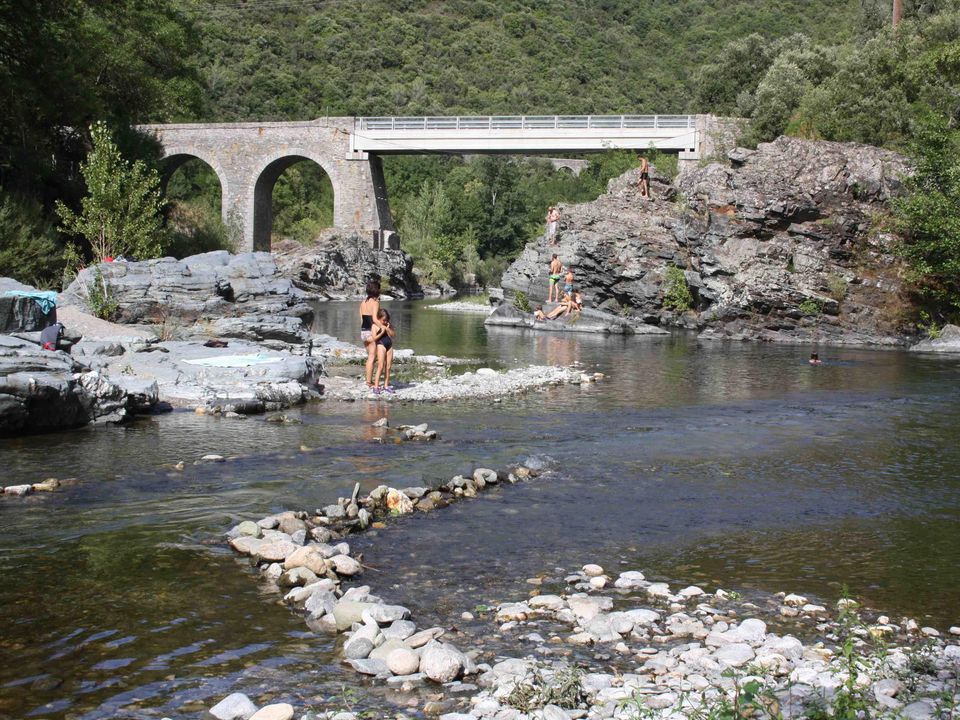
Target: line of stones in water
(689,649)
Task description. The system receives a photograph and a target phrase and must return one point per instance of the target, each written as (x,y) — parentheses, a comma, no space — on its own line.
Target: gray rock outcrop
(339,268)
(779,245)
(586,321)
(948,341)
(42,391)
(201,287)
(19,313)
(242,377)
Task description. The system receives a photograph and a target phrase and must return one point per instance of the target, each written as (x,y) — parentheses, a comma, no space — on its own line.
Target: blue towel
(46,299)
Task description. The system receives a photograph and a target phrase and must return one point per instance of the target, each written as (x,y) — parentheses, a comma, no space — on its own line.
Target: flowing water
(730,465)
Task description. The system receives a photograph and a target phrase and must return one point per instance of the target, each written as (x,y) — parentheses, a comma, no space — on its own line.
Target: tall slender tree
(897,12)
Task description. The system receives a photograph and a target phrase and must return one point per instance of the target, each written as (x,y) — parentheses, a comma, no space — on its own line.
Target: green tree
(929,216)
(29,250)
(121,213)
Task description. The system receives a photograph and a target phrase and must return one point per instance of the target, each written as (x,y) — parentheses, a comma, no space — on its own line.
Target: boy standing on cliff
(553,217)
(644,183)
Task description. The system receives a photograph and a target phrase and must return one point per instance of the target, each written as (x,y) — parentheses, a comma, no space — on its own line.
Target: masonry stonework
(250,157)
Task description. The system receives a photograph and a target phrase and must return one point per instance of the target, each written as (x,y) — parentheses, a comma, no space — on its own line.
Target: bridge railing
(529,122)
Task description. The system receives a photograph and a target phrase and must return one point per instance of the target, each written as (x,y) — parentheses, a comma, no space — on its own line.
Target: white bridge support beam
(527,134)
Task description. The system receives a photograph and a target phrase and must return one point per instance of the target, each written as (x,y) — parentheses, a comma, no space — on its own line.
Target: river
(730,465)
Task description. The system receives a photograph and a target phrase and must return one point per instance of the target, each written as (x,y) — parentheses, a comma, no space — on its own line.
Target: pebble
(236,706)
(278,711)
(441,662)
(18,490)
(403,661)
(48,485)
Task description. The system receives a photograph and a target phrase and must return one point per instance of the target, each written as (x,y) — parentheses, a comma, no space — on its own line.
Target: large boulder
(948,341)
(201,287)
(242,376)
(21,313)
(42,391)
(338,268)
(586,321)
(778,244)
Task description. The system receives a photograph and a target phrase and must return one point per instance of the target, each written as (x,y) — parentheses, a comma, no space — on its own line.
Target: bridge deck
(525,133)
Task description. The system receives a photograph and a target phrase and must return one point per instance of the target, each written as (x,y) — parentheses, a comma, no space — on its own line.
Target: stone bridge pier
(248,158)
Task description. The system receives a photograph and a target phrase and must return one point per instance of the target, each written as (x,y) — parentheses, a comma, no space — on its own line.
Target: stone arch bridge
(248,158)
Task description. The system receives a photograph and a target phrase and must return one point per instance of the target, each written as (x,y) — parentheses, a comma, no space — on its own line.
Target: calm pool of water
(723,464)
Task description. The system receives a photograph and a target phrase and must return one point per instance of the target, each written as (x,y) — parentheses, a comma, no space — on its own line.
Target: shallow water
(728,465)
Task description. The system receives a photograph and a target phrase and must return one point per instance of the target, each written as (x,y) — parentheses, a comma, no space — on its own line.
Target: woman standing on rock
(369,309)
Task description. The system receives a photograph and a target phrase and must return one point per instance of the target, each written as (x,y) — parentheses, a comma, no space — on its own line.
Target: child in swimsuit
(368,310)
(383,334)
(568,282)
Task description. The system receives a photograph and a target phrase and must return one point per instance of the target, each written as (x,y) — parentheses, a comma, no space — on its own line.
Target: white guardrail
(529,122)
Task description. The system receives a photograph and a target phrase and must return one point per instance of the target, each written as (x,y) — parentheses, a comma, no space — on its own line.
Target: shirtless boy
(556,272)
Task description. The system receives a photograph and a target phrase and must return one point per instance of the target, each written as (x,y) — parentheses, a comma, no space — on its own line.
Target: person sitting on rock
(561,310)
(538,314)
(383,334)
(577,300)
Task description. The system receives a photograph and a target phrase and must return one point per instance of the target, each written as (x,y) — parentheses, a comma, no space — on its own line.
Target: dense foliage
(873,90)
(63,65)
(930,219)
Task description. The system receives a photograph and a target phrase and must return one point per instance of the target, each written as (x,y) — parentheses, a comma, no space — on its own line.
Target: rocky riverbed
(472,384)
(591,644)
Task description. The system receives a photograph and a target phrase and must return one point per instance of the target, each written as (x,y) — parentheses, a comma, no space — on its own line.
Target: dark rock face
(21,314)
(43,391)
(782,245)
(340,268)
(201,287)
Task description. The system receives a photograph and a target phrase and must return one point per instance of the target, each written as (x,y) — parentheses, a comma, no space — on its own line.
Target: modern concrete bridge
(250,157)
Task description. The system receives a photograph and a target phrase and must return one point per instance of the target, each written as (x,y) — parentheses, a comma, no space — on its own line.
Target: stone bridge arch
(176,157)
(248,158)
(272,167)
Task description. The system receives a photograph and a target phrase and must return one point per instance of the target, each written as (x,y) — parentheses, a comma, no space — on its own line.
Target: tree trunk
(897,12)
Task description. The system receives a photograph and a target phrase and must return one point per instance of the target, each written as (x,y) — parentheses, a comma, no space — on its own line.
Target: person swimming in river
(383,334)
(815,359)
(369,309)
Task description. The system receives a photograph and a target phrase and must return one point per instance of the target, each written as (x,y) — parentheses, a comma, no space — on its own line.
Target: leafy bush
(677,295)
(521,302)
(101,300)
(810,307)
